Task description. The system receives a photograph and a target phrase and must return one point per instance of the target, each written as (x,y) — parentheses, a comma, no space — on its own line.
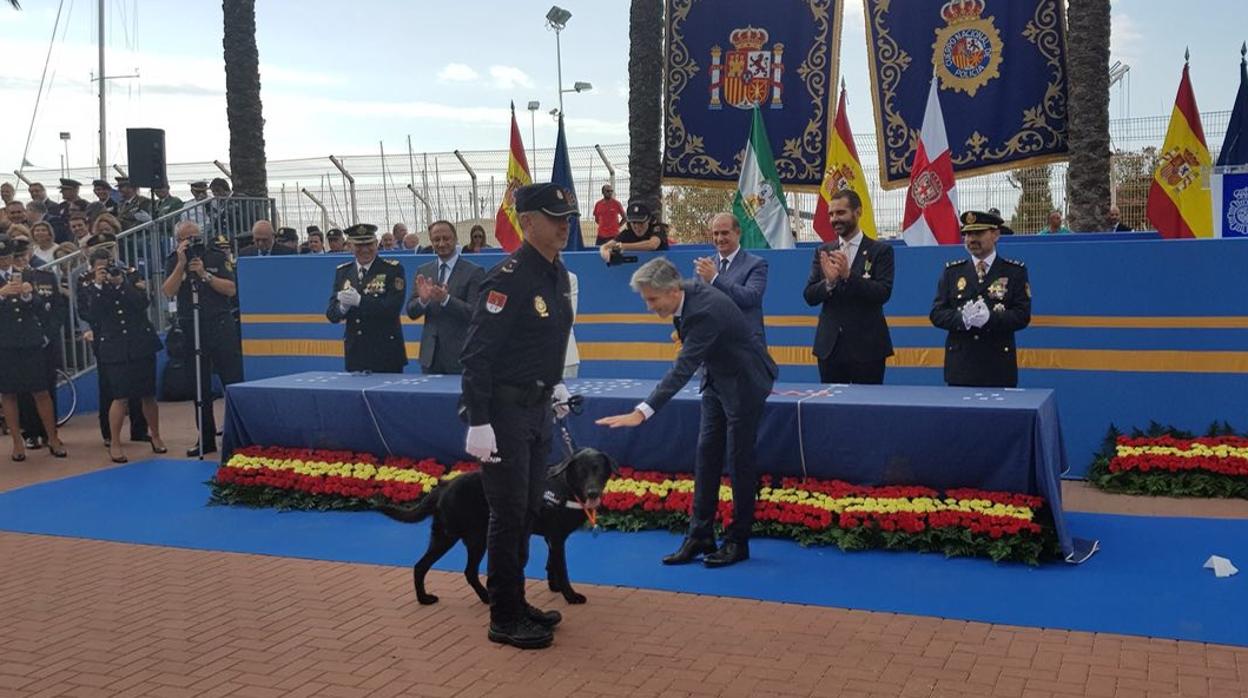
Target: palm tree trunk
(1087,59)
(242,99)
(645,101)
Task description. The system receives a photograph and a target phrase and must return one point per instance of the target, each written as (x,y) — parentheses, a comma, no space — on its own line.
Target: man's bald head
(263,234)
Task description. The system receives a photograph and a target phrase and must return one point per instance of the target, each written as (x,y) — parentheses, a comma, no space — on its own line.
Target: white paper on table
(1221,566)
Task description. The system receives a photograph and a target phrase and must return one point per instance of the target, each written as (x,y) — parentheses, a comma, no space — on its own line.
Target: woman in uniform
(23,341)
(116,301)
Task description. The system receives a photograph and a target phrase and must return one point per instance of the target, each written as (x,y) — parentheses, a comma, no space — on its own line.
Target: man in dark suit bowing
(264,242)
(737,379)
(445,294)
(739,274)
(852,279)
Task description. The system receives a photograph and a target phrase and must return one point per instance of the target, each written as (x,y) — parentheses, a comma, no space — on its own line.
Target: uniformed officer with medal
(368,297)
(982,301)
(513,368)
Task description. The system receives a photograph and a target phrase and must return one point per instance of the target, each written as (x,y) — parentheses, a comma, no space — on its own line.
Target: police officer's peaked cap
(122,181)
(361,233)
(313,229)
(199,184)
(979,221)
(287,234)
(6,246)
(637,212)
(19,245)
(101,183)
(101,239)
(222,242)
(551,199)
(67,182)
(333,234)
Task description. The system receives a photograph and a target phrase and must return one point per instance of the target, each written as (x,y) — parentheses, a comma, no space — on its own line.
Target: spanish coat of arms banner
(726,56)
(1002,71)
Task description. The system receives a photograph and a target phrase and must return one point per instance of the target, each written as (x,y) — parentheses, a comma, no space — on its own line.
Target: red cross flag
(932,199)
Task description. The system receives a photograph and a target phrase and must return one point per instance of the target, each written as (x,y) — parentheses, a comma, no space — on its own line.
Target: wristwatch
(208,278)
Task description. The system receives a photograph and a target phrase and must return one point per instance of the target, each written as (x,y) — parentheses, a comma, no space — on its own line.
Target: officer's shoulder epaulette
(1015,262)
(510,265)
(391,262)
(344,265)
(956,262)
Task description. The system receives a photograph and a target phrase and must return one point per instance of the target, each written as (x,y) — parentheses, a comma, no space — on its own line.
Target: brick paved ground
(88,618)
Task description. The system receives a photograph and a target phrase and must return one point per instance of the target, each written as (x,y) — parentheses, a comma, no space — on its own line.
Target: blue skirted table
(993,439)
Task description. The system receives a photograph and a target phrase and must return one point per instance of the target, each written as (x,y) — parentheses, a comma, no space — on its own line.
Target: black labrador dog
(460,512)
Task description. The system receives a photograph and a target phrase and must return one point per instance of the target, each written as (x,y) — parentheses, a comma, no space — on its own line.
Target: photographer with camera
(46,289)
(202,281)
(643,234)
(23,341)
(114,302)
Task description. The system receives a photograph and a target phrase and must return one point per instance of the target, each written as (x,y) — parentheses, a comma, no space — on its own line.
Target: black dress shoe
(522,633)
(690,549)
(730,554)
(546,619)
(33,443)
(193,452)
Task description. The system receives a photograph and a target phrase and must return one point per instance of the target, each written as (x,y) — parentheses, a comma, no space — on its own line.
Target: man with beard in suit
(852,279)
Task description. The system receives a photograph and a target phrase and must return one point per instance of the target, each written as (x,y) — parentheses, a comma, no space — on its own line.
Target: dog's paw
(426,599)
(573,597)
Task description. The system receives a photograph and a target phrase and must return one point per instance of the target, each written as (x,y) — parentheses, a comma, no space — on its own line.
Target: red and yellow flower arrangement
(1168,462)
(960,522)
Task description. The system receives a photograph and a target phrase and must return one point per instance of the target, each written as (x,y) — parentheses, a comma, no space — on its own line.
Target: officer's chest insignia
(998,308)
(998,288)
(866,269)
(495,302)
(539,304)
(377,284)
(398,282)
(346,284)
(961,283)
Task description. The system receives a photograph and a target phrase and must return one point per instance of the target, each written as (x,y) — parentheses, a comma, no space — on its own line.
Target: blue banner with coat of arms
(1002,70)
(726,56)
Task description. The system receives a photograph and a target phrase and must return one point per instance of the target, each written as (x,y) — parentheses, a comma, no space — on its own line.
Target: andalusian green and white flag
(759,204)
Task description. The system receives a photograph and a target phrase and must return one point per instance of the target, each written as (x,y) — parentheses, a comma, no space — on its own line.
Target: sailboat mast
(103,130)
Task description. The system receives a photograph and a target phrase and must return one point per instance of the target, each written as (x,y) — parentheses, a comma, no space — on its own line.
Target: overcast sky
(339,77)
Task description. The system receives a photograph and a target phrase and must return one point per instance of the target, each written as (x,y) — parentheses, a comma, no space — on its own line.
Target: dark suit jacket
(373,337)
(744,282)
(984,356)
(851,320)
(442,339)
(278,250)
(714,334)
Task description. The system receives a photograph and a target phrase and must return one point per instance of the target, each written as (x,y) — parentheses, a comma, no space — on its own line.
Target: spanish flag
(506,223)
(1180,204)
(842,171)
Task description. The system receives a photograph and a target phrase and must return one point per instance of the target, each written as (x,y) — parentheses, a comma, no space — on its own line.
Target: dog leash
(575,405)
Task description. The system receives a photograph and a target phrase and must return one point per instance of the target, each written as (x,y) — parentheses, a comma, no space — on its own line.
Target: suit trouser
(834,370)
(724,440)
(513,488)
(220,355)
(32,426)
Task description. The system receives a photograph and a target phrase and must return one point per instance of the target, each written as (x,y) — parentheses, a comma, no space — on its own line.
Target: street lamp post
(534,105)
(557,18)
(65,141)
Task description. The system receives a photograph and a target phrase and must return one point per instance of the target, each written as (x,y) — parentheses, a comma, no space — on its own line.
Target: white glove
(560,395)
(968,313)
(979,314)
(481,444)
(348,298)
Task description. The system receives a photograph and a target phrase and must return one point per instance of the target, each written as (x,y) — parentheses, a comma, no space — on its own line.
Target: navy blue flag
(1002,70)
(724,57)
(562,175)
(1235,145)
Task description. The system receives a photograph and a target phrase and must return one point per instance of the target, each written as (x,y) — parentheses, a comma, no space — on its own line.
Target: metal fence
(390,190)
(145,247)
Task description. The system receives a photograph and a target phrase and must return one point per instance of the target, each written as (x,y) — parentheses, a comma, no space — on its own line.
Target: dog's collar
(555,500)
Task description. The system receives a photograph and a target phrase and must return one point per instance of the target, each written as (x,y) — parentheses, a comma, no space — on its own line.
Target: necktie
(723,265)
(360,272)
(442,272)
(981,268)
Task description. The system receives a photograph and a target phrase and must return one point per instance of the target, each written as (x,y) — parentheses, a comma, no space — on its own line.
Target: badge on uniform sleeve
(495,302)
(539,304)
(398,282)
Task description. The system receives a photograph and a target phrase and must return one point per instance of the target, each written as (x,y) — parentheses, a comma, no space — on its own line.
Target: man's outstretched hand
(632,419)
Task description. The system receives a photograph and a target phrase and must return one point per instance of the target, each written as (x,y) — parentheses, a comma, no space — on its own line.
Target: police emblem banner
(1002,71)
(1230,205)
(726,56)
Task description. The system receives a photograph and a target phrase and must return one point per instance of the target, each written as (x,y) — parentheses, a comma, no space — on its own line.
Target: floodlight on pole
(534,105)
(557,18)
